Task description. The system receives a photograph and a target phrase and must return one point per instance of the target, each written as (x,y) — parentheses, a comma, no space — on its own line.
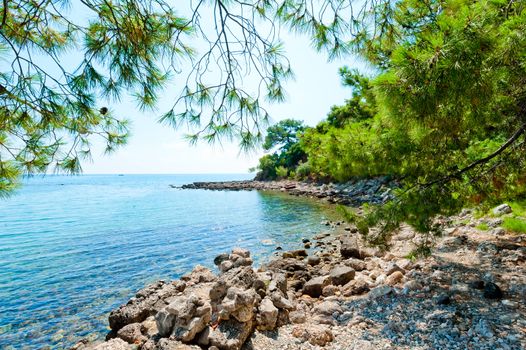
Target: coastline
(353,193)
(343,295)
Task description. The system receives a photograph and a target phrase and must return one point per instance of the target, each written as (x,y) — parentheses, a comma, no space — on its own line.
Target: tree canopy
(284,138)
(443,108)
(446,112)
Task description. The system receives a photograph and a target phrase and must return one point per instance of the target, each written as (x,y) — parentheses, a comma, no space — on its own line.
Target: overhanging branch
(480,161)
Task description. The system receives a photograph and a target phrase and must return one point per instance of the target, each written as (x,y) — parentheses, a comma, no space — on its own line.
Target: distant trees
(282,137)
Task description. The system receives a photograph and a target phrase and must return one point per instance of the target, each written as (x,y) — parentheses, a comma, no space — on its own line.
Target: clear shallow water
(74,248)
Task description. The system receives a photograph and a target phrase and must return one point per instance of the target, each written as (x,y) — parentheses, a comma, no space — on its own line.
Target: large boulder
(267,315)
(132,334)
(227,335)
(314,287)
(350,248)
(147,302)
(184,318)
(237,303)
(502,209)
(341,275)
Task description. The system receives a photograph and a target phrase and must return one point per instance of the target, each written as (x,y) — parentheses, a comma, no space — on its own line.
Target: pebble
(492,291)
(443,299)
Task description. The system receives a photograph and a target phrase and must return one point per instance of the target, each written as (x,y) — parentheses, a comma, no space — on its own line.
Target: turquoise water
(73,248)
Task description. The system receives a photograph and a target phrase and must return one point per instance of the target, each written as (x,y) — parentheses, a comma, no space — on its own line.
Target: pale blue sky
(156,148)
(159,149)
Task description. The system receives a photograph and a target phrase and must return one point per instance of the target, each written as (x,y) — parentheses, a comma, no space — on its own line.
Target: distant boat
(121,174)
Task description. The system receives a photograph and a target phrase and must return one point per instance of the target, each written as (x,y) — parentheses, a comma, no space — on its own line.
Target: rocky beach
(353,193)
(339,293)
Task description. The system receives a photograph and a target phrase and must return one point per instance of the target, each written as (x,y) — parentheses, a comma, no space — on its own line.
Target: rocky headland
(337,293)
(355,193)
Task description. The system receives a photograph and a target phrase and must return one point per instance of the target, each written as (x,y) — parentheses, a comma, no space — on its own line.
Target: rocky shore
(340,294)
(357,192)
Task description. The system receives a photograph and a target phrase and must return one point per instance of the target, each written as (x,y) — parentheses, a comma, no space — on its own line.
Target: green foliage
(282,172)
(518,208)
(482,226)
(283,135)
(303,170)
(362,104)
(445,112)
(267,167)
(283,138)
(515,224)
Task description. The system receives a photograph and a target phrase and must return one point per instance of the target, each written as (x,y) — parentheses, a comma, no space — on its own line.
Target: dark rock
(305,240)
(279,248)
(443,299)
(477,284)
(220,258)
(492,291)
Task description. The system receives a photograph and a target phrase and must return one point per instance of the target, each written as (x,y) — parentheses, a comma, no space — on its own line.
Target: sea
(72,248)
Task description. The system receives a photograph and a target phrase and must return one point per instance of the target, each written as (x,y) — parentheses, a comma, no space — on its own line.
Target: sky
(154,148)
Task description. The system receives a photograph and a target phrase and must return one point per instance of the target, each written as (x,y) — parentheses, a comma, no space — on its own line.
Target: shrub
(483,226)
(515,224)
(303,170)
(282,172)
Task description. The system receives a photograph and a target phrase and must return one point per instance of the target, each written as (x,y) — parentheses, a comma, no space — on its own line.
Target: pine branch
(480,161)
